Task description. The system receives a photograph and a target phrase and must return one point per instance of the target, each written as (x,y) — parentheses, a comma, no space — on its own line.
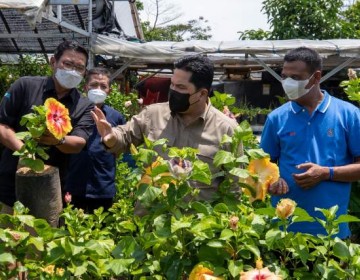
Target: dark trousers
(90,204)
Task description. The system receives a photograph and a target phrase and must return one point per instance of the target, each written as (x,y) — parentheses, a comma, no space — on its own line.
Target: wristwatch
(61,141)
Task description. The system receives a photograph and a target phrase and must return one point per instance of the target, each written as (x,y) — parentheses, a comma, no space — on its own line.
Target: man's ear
(52,62)
(204,91)
(317,76)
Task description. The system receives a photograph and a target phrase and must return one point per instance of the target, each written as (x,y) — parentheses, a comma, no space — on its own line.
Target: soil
(26,171)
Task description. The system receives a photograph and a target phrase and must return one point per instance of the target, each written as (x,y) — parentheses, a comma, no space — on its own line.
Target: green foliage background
(308,19)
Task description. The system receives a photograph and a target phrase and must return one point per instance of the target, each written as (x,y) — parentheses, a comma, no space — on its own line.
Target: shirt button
(309,123)
(303,110)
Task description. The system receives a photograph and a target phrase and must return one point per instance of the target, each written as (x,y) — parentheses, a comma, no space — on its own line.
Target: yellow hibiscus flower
(267,173)
(57,118)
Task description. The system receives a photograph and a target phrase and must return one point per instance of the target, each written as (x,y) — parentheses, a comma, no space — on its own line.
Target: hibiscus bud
(81,213)
(233,222)
(180,168)
(285,208)
(228,113)
(67,198)
(50,269)
(127,103)
(351,74)
(140,101)
(16,236)
(259,263)
(60,271)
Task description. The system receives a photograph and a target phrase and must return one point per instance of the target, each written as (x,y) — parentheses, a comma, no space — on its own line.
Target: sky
(225,17)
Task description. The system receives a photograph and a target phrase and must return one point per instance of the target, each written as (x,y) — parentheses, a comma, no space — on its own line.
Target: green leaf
(235,268)
(269,211)
(147,194)
(272,236)
(34,164)
(341,250)
(200,208)
(221,208)
(300,215)
(80,270)
(226,234)
(239,172)
(243,131)
(179,224)
(346,219)
(128,225)
(201,172)
(223,157)
(7,258)
(38,242)
(55,254)
(119,266)
(215,244)
(254,249)
(22,135)
(257,153)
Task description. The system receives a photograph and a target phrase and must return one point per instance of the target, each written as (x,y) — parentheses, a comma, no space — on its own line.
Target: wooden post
(40,192)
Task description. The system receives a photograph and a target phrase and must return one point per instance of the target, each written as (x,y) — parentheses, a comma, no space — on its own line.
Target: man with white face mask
(91,175)
(315,140)
(69,66)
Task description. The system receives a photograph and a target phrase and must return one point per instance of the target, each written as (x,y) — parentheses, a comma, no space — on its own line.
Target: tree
(158,27)
(309,19)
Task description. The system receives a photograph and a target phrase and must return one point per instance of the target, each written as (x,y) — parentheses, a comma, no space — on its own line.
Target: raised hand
(103,127)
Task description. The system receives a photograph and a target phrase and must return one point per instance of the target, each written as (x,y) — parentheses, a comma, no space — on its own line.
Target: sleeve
(11,103)
(269,140)
(85,124)
(131,133)
(354,133)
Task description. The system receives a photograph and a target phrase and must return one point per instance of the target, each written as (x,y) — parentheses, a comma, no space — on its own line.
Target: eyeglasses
(70,66)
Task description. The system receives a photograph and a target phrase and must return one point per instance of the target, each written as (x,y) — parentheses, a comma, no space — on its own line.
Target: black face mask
(179,102)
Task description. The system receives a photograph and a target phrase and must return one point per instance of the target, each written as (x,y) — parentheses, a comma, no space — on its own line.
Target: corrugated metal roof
(12,21)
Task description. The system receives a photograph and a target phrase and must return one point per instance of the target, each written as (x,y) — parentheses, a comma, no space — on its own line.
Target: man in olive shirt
(187,120)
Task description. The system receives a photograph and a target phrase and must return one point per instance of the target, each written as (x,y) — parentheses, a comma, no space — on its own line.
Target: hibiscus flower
(201,272)
(57,118)
(267,173)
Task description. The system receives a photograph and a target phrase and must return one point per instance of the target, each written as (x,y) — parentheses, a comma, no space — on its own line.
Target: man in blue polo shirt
(91,175)
(315,140)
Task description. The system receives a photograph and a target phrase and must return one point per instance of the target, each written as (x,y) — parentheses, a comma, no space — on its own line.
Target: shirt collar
(50,89)
(203,115)
(322,107)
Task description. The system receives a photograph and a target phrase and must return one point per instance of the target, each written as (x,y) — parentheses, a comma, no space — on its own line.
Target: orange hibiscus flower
(57,118)
(157,180)
(267,173)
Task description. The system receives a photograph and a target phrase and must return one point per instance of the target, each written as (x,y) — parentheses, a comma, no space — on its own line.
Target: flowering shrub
(180,237)
(127,104)
(52,117)
(352,86)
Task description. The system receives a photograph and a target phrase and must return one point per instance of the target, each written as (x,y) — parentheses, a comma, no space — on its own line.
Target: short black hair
(97,71)
(70,45)
(311,58)
(202,70)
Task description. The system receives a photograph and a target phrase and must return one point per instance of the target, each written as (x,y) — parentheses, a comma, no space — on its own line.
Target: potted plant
(38,185)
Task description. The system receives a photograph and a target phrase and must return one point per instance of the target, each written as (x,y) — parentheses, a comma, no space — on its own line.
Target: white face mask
(295,89)
(68,78)
(97,96)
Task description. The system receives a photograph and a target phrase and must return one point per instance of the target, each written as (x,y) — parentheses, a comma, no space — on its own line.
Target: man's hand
(48,139)
(313,175)
(279,187)
(104,128)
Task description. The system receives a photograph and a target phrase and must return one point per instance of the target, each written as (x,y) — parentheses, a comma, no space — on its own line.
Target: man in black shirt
(69,66)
